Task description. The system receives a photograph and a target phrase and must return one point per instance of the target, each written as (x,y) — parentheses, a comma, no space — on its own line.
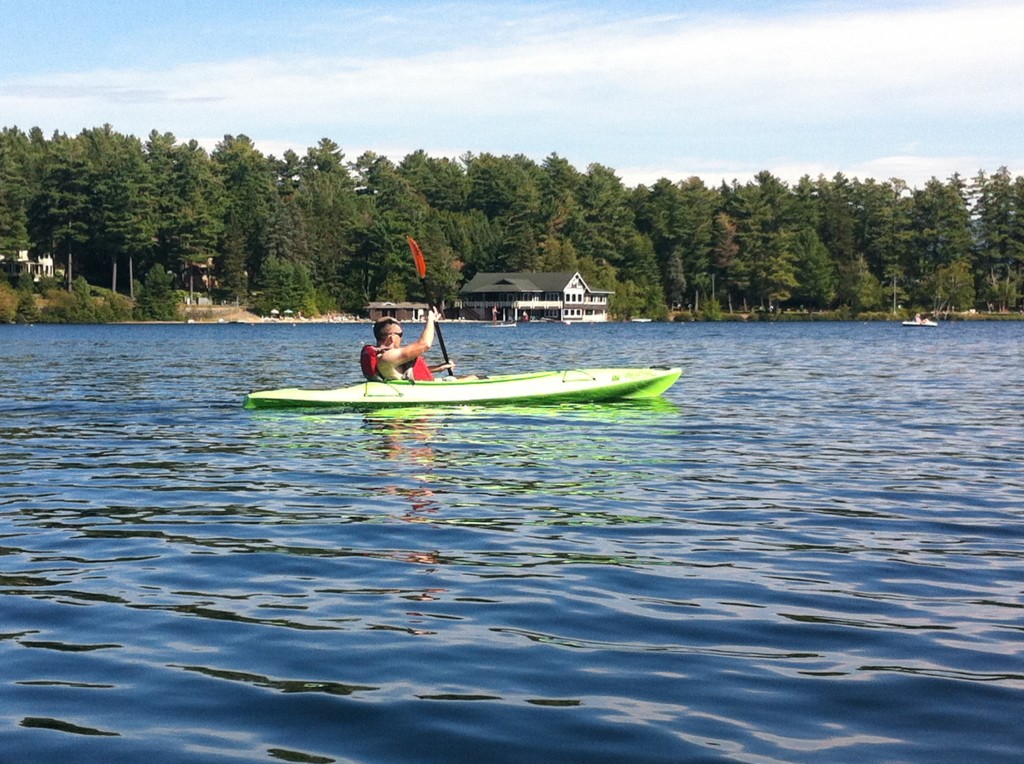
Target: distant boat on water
(918,321)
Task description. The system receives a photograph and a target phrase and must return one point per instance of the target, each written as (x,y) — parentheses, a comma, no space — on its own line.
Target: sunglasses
(393,334)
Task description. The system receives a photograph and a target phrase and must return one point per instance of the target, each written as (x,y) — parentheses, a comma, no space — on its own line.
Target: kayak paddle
(421,269)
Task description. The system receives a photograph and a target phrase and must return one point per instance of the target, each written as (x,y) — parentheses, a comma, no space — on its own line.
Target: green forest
(135,225)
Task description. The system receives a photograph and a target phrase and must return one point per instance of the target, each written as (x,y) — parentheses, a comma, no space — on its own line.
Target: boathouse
(533,296)
(403,311)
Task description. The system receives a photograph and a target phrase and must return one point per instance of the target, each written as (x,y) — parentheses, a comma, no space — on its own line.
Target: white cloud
(828,89)
(915,171)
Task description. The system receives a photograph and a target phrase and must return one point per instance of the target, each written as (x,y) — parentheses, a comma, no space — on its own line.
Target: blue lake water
(812,549)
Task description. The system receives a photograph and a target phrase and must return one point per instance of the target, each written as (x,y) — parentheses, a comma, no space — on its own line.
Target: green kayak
(575,385)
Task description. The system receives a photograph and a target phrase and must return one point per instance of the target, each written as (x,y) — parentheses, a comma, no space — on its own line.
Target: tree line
(131,222)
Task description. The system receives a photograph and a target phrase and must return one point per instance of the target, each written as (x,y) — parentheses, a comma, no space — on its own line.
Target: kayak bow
(574,385)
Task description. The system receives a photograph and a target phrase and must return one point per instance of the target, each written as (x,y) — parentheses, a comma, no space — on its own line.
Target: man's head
(386,327)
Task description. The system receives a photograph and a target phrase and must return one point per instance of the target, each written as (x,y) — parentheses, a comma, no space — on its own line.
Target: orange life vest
(368,362)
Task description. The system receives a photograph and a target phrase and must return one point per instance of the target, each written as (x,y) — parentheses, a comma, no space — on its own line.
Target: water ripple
(811,549)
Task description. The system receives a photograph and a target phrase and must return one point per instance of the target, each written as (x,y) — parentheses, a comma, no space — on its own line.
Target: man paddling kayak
(397,361)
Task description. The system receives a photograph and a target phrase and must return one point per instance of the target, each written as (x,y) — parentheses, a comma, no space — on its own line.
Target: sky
(721,90)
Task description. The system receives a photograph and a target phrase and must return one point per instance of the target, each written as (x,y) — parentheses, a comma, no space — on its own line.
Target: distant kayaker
(397,361)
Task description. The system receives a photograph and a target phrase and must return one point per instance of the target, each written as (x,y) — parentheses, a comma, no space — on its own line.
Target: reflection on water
(809,549)
(406,440)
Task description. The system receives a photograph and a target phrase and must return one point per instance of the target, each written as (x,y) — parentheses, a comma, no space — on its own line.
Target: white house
(533,296)
(21,264)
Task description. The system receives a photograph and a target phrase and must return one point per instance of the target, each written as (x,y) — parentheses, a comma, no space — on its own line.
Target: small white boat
(922,322)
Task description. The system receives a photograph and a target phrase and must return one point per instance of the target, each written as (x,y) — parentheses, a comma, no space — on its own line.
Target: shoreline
(681,320)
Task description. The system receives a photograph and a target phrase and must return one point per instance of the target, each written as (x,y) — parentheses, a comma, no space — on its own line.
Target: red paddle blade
(417,256)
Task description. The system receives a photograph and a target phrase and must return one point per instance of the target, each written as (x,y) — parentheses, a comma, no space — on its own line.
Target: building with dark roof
(403,311)
(533,296)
